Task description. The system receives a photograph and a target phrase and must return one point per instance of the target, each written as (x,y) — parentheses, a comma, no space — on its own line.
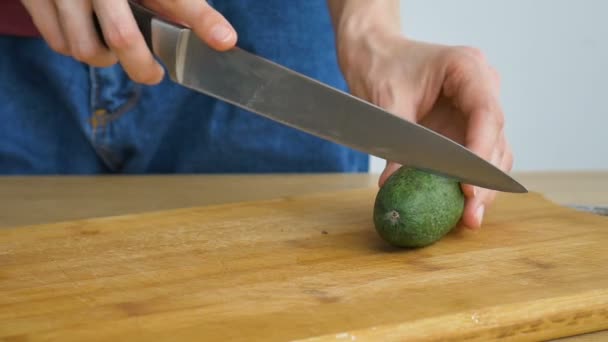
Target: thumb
(208,24)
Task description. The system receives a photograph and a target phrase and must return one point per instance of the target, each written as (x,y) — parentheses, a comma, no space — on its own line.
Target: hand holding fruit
(451,90)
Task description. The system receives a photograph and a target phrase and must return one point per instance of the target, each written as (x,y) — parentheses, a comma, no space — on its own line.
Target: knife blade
(266,88)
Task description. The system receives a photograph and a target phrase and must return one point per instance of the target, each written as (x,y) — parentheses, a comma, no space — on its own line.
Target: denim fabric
(59,116)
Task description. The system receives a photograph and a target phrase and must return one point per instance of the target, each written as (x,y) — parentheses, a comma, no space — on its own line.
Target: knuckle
(466,58)
(165,6)
(59,46)
(500,121)
(201,20)
(122,37)
(204,18)
(106,62)
(383,94)
(461,61)
(495,75)
(145,77)
(473,52)
(138,77)
(85,52)
(204,11)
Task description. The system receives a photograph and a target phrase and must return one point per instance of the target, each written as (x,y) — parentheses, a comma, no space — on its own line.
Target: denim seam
(101,117)
(125,107)
(95,95)
(96,86)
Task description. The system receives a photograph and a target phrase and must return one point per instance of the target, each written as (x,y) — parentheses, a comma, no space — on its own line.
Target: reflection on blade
(270,90)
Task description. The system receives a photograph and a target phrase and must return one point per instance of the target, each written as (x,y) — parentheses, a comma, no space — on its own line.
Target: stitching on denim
(121,110)
(126,106)
(93,102)
(100,119)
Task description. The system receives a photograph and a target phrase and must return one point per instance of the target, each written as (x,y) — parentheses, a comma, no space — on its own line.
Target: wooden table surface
(37,200)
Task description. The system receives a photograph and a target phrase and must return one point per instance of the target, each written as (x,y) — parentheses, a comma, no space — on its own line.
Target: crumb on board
(346,335)
(475,317)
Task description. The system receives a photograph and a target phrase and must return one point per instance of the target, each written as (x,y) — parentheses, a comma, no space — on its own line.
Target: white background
(553,59)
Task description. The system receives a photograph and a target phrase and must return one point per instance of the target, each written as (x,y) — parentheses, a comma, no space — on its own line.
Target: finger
(388,171)
(500,146)
(125,39)
(507,159)
(482,198)
(474,52)
(487,196)
(480,57)
(483,132)
(482,136)
(76,18)
(495,78)
(45,18)
(474,212)
(206,22)
(469,84)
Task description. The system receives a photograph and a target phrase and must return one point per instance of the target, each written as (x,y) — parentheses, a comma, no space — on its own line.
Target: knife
(266,88)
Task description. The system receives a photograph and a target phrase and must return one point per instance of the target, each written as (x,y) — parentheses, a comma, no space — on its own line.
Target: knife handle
(143,18)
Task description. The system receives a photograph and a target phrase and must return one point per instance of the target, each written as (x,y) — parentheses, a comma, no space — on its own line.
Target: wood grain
(304,267)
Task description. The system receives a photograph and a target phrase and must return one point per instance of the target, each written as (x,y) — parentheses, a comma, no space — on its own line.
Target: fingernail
(221,33)
(479,215)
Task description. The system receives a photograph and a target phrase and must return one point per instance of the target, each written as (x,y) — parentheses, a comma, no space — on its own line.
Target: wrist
(358,19)
(362,27)
(370,18)
(357,53)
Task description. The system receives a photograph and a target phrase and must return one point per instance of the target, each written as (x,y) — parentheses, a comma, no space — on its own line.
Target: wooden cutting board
(304,268)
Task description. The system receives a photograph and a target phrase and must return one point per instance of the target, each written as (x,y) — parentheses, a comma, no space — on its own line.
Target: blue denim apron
(60,116)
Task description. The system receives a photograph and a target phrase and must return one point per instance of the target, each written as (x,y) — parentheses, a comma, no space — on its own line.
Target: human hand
(451,90)
(67,26)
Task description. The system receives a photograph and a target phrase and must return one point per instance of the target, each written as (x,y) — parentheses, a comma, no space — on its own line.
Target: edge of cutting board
(538,323)
(321,194)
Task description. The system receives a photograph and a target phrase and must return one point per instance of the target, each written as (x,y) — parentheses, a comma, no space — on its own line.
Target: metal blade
(273,91)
